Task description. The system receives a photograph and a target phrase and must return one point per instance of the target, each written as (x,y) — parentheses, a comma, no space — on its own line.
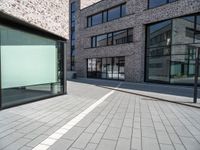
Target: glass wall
(107,15)
(31,66)
(73,34)
(171,50)
(156,3)
(106,68)
(113,38)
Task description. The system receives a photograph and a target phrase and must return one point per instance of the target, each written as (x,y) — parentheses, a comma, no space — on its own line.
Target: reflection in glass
(101,40)
(114,13)
(107,68)
(31,66)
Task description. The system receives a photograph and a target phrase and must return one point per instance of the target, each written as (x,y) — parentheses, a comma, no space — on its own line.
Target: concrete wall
(137,17)
(51,15)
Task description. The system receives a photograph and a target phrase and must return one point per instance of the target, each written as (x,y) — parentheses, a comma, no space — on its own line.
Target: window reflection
(172,62)
(107,68)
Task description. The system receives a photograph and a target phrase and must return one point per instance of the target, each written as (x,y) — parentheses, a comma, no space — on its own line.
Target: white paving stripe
(44,145)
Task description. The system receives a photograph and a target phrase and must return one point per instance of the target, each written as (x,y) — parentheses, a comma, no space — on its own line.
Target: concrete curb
(160,99)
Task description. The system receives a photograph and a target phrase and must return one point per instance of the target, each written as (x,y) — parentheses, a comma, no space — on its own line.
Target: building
(33,37)
(135,40)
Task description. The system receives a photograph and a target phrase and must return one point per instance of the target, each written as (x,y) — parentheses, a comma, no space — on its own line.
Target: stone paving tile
(106,145)
(122,121)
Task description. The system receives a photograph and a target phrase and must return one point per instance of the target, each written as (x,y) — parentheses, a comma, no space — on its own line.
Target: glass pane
(110,39)
(156,3)
(123,10)
(98,75)
(105,18)
(97,19)
(130,35)
(114,13)
(93,42)
(104,68)
(73,6)
(158,68)
(120,37)
(89,21)
(109,68)
(159,34)
(158,51)
(102,40)
(183,30)
(115,68)
(121,65)
(31,66)
(197,35)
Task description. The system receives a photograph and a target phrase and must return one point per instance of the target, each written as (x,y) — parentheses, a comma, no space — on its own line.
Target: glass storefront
(106,68)
(171,50)
(32,66)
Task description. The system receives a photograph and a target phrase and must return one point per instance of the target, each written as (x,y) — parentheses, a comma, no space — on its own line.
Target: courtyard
(92,117)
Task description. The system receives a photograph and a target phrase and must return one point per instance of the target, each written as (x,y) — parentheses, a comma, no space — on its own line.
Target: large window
(31,66)
(113,38)
(73,34)
(171,50)
(106,68)
(107,15)
(156,3)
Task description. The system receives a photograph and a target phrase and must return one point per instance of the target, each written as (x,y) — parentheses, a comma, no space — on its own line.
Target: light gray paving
(122,121)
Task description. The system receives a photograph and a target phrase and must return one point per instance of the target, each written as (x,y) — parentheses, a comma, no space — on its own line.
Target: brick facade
(137,17)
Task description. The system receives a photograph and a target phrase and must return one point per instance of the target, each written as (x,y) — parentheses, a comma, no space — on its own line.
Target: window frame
(167,2)
(102,13)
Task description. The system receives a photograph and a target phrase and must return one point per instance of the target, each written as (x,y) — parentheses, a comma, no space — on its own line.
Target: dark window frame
(102,13)
(146,49)
(167,2)
(127,36)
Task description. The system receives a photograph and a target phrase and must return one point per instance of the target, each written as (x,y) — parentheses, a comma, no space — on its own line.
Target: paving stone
(61,144)
(73,134)
(96,138)
(92,128)
(9,139)
(91,146)
(112,133)
(136,144)
(123,144)
(126,132)
(150,144)
(36,141)
(106,145)
(17,144)
(163,137)
(166,147)
(82,141)
(190,143)
(26,148)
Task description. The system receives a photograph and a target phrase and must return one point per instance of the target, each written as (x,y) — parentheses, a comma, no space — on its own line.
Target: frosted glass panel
(27,59)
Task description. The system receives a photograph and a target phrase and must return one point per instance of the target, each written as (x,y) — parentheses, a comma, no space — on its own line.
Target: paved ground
(122,122)
(180,94)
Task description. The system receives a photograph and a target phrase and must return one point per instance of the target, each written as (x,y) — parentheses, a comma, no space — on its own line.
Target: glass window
(107,15)
(93,42)
(123,11)
(31,66)
(120,37)
(97,19)
(156,3)
(177,56)
(158,68)
(104,68)
(130,35)
(101,40)
(159,34)
(114,13)
(110,39)
(89,21)
(197,34)
(73,6)
(107,68)
(183,25)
